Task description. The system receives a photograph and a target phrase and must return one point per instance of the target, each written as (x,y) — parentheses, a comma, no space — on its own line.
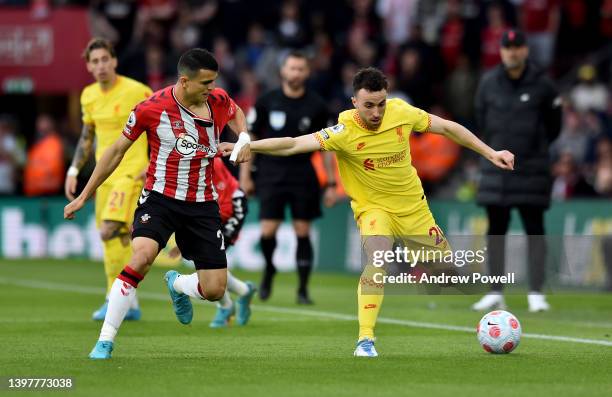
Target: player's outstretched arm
(83,152)
(104,168)
(275,147)
(286,146)
(458,133)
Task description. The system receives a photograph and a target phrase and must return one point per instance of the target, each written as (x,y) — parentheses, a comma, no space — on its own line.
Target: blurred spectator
(452,35)
(321,63)
(290,29)
(249,90)
(491,35)
(44,170)
(429,55)
(160,10)
(393,92)
(155,66)
(134,62)
(252,51)
(461,84)
(540,22)
(366,20)
(183,36)
(398,17)
(343,91)
(260,55)
(359,48)
(568,180)
(413,77)
(603,168)
(227,64)
(204,15)
(431,14)
(12,155)
(574,138)
(115,21)
(605,26)
(589,94)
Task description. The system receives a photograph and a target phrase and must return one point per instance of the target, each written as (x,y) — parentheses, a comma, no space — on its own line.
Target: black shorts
(305,202)
(197,227)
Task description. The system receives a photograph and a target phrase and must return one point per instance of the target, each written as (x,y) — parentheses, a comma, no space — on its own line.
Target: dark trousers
(532,218)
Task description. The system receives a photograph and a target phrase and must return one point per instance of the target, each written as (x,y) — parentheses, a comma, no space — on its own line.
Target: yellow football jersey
(108,112)
(375,166)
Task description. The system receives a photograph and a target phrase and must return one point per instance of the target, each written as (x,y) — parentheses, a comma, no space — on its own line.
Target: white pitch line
(37,284)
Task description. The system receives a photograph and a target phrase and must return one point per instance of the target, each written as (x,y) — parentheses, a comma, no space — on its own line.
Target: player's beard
(515,65)
(295,84)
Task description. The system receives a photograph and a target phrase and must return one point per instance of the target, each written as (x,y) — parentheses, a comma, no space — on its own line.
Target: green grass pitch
(289,350)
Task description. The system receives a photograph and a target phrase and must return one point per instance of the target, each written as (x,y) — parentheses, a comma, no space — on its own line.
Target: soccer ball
(499,332)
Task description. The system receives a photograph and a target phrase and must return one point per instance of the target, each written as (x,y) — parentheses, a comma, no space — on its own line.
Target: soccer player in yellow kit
(373,153)
(106,105)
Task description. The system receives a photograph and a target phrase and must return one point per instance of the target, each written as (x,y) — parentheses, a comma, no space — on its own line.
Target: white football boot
(365,348)
(492,300)
(537,302)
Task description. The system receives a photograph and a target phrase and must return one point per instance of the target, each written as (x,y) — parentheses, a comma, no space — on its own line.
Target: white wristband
(243,139)
(73,171)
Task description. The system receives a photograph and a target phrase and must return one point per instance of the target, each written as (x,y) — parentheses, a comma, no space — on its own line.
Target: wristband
(72,171)
(243,139)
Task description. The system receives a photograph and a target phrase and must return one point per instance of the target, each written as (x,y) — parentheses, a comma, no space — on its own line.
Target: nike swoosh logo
(489,323)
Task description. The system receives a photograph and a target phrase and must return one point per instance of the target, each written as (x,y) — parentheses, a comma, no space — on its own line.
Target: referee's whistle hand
(503,159)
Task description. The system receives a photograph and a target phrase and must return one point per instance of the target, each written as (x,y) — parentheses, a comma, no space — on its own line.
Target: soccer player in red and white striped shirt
(183,123)
(233,207)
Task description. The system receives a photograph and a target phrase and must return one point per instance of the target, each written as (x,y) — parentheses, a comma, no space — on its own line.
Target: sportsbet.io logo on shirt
(187,146)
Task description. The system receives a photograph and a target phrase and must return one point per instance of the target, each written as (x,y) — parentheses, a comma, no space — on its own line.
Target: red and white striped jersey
(182,144)
(226,186)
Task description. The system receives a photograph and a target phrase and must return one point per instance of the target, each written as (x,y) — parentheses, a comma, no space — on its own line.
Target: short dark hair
(195,59)
(295,54)
(371,79)
(98,43)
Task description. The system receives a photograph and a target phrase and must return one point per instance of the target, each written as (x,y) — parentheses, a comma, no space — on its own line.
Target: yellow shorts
(117,201)
(418,228)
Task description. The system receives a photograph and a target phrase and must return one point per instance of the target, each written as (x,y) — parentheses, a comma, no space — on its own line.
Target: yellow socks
(369,299)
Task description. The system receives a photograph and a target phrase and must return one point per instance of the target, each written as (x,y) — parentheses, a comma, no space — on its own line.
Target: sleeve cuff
(320,140)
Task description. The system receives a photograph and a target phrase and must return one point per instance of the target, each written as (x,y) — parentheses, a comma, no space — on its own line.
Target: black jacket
(524,117)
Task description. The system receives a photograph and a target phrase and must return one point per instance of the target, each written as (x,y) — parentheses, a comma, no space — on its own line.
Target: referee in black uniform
(289,111)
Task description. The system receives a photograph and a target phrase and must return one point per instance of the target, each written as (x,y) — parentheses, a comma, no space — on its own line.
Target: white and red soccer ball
(499,332)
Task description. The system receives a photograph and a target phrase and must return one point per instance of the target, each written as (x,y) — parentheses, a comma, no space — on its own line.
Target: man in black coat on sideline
(517,108)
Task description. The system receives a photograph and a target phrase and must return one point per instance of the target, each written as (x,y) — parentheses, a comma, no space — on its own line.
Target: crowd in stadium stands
(434,52)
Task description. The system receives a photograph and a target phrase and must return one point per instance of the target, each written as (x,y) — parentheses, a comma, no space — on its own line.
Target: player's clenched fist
(503,159)
(225,148)
(73,207)
(237,154)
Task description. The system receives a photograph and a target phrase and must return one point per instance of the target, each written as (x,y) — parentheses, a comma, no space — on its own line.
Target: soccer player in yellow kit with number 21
(106,105)
(373,153)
